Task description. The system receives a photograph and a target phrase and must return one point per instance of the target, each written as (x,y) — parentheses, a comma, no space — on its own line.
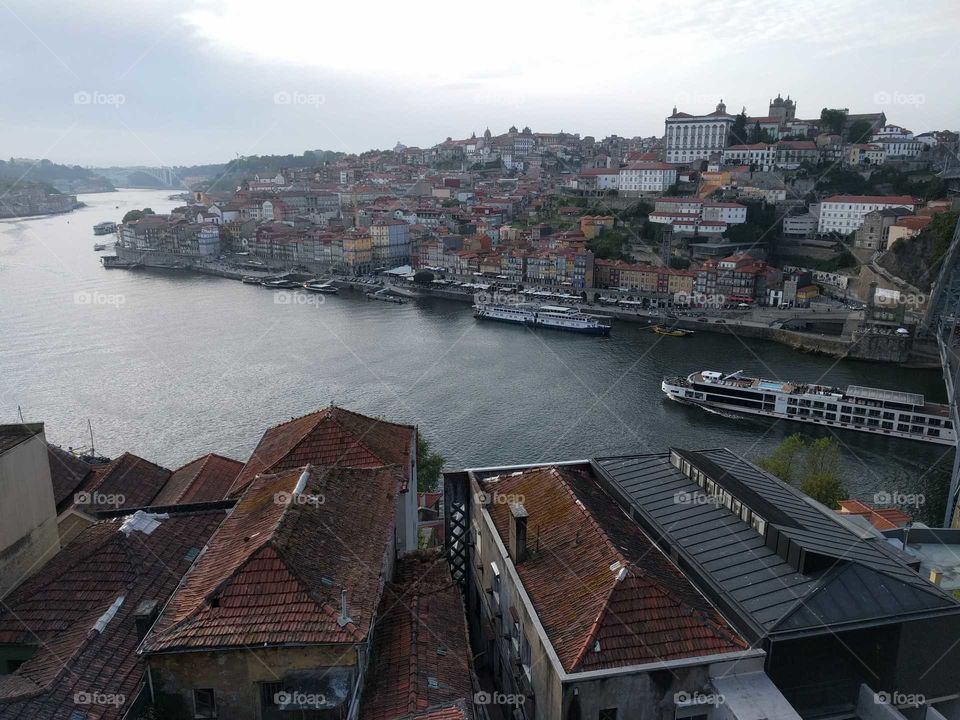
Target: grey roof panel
(864,581)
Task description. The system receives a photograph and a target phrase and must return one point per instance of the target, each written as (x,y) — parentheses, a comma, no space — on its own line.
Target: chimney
(518,533)
(936,576)
(344,617)
(145,615)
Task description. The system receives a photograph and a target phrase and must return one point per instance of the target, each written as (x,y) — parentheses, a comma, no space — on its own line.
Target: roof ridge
(595,626)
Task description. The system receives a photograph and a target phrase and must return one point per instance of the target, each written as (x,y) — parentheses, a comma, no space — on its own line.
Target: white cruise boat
(882,412)
(548,316)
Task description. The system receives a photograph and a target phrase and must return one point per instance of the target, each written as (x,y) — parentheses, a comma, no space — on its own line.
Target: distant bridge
(943,319)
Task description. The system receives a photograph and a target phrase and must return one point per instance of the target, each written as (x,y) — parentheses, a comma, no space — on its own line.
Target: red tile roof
(331,437)
(205,479)
(127,482)
(880,518)
(58,607)
(273,572)
(421,634)
(68,473)
(597,581)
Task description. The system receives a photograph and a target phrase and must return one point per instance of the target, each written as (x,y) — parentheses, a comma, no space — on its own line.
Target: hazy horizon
(192,82)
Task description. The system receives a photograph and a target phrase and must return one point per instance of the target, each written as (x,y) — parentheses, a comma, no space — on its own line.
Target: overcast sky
(183,82)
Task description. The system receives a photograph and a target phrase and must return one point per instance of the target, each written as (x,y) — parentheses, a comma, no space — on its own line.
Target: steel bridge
(943,319)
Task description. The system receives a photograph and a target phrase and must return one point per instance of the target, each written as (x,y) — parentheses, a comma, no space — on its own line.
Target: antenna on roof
(93,450)
(20,413)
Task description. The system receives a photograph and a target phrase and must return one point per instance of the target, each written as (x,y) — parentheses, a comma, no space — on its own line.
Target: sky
(185,82)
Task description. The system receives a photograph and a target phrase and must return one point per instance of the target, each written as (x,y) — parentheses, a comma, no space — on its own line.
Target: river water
(171,366)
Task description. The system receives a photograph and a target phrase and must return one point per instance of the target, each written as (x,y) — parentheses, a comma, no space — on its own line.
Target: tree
(756,133)
(859,131)
(833,120)
(783,461)
(826,489)
(423,277)
(738,131)
(429,465)
(134,215)
(813,466)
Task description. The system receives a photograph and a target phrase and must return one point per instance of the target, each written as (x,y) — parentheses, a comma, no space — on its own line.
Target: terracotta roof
(421,634)
(128,481)
(207,478)
(330,437)
(273,572)
(597,581)
(68,472)
(914,222)
(58,609)
(880,518)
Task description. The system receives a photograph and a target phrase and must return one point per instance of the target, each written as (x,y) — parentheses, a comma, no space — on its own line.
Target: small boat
(97,247)
(383,297)
(321,286)
(250,280)
(279,284)
(671,332)
(113,262)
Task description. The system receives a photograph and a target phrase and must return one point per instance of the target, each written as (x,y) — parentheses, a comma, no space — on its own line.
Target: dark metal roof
(856,579)
(13,435)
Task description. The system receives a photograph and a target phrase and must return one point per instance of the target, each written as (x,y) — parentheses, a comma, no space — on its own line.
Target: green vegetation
(134,215)
(811,466)
(917,260)
(423,277)
(429,465)
(608,245)
(880,181)
(843,260)
(738,131)
(62,177)
(859,131)
(833,120)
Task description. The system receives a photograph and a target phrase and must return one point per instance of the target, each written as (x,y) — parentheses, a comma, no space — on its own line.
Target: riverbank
(825,334)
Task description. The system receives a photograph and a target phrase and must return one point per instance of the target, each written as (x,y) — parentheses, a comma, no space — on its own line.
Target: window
(607,714)
(268,694)
(204,703)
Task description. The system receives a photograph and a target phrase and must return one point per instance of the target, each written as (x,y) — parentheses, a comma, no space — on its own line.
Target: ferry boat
(881,412)
(104,228)
(547,316)
(321,286)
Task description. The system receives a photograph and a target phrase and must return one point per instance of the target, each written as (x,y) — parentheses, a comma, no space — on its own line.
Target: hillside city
(345,569)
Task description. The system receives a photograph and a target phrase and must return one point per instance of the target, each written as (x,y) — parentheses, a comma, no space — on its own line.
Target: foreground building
(294,577)
(69,635)
(761,595)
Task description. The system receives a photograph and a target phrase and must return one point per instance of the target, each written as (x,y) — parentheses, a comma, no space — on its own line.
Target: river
(171,366)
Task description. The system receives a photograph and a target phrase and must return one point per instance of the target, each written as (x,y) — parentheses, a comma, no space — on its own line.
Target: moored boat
(321,286)
(547,316)
(250,280)
(113,262)
(882,412)
(104,228)
(671,332)
(97,247)
(279,284)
